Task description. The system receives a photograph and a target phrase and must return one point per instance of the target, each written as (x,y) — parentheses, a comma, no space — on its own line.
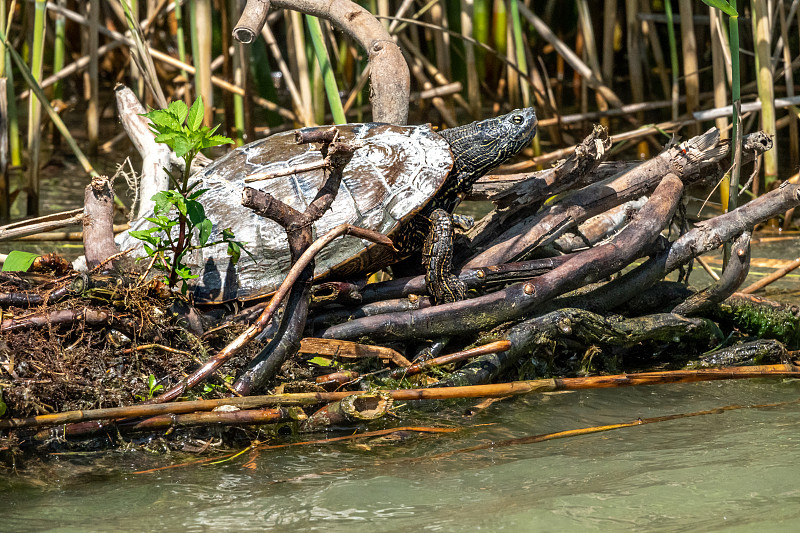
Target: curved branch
(391,81)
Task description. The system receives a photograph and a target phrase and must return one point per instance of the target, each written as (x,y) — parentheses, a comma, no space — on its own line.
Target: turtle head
(482,146)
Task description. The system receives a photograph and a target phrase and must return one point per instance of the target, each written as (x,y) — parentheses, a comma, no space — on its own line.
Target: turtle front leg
(437,259)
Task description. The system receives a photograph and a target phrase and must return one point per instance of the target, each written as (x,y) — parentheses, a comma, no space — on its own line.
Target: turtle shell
(394,172)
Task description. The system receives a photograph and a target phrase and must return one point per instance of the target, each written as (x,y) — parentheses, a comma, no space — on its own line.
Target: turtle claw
(463,222)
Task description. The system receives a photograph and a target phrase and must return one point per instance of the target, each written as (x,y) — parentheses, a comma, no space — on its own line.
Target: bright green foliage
(19,261)
(727,8)
(179,214)
(153,386)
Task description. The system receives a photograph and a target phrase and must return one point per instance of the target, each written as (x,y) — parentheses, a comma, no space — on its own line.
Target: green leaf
(19,261)
(145,235)
(195,119)
(2,406)
(235,251)
(179,110)
(163,119)
(216,140)
(163,202)
(196,194)
(195,211)
(727,8)
(205,231)
(182,145)
(185,273)
(320,361)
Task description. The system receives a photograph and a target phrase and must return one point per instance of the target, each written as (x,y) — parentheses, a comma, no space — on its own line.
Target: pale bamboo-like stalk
(609,24)
(298,54)
(673,57)
(58,46)
(137,82)
(634,40)
(794,138)
(329,80)
(587,29)
(473,85)
(240,62)
(655,46)
(441,39)
(719,69)
(519,52)
(690,66)
(200,14)
(288,79)
(90,79)
(766,91)
(35,109)
(5,184)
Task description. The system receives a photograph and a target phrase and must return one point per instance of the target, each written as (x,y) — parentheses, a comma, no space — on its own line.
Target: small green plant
(179,215)
(153,386)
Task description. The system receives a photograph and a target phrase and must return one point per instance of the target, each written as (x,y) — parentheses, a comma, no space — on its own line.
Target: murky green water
(733,471)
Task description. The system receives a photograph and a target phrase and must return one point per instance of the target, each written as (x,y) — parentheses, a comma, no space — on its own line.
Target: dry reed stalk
(433,72)
(690,65)
(443,393)
(5,185)
(569,56)
(649,27)
(609,25)
(297,56)
(473,85)
(766,91)
(720,70)
(288,79)
(90,78)
(202,32)
(441,41)
(794,137)
(35,109)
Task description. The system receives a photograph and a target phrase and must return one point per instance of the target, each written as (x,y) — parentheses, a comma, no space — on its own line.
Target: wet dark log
(92,317)
(516,301)
(98,222)
(350,410)
(691,161)
(704,237)
(599,227)
(760,352)
(734,275)
(30,299)
(474,278)
(760,318)
(416,368)
(532,190)
(590,328)
(398,305)
(336,292)
(173,421)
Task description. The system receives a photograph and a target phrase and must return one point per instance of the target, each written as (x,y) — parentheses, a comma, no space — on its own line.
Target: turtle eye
(517,119)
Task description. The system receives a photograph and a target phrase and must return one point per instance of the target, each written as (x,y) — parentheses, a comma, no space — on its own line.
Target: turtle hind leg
(437,259)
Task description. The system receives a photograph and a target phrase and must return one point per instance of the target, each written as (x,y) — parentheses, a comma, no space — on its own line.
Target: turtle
(398,176)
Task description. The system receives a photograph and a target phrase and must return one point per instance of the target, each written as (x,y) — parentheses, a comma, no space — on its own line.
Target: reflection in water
(731,470)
